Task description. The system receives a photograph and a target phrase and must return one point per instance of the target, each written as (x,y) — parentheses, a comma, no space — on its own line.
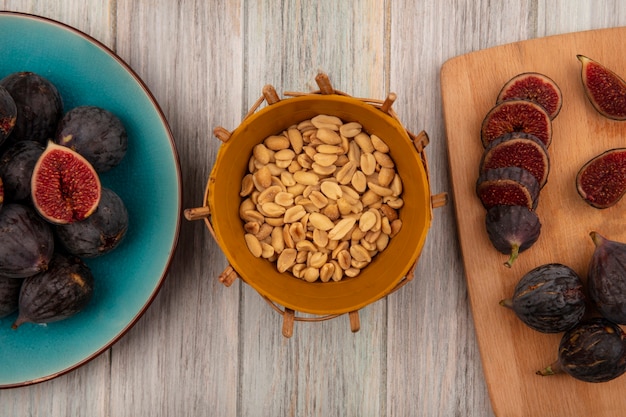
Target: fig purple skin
(518,149)
(96,134)
(39,106)
(8,114)
(16,169)
(26,241)
(9,295)
(512,186)
(592,351)
(549,298)
(99,233)
(606,278)
(61,291)
(512,229)
(605,89)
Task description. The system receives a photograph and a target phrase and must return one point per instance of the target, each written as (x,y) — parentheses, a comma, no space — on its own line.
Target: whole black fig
(607,278)
(26,241)
(95,133)
(56,294)
(99,233)
(549,298)
(8,114)
(592,351)
(16,169)
(39,106)
(9,295)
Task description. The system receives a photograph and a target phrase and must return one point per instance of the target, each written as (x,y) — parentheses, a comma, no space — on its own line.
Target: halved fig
(516,116)
(601,182)
(535,87)
(518,149)
(65,187)
(511,186)
(512,229)
(604,88)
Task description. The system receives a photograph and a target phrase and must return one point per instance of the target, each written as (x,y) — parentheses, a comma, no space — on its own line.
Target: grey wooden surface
(204,349)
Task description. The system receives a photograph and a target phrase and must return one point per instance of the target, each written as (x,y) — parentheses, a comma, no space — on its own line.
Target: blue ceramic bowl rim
(175,238)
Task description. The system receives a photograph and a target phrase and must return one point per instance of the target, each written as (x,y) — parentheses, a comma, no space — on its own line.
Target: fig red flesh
(65,187)
(601,182)
(535,87)
(604,88)
(521,150)
(507,186)
(516,116)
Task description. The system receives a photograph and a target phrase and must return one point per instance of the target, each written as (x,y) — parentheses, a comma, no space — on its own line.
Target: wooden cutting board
(512,353)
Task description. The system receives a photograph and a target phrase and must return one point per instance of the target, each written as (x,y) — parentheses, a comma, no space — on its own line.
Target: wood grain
(511,353)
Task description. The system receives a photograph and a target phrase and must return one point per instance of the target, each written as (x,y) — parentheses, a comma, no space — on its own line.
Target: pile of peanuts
(320,199)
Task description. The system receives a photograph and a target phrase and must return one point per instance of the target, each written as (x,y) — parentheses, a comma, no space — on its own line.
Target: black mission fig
(9,295)
(606,278)
(99,233)
(8,114)
(39,106)
(549,298)
(61,291)
(16,169)
(592,351)
(26,241)
(95,133)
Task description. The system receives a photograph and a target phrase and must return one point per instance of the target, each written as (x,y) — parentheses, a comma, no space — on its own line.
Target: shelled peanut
(321,199)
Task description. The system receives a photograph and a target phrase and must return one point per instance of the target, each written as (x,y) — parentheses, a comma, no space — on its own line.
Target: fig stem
(507,302)
(597,238)
(513,257)
(553,369)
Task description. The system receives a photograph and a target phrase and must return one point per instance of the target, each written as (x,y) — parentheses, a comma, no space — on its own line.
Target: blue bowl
(148,180)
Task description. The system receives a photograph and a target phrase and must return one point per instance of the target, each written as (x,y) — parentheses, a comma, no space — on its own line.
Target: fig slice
(65,187)
(535,87)
(512,229)
(511,186)
(604,88)
(516,116)
(601,181)
(521,150)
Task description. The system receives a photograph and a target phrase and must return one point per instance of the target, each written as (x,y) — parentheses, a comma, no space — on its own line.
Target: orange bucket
(388,270)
